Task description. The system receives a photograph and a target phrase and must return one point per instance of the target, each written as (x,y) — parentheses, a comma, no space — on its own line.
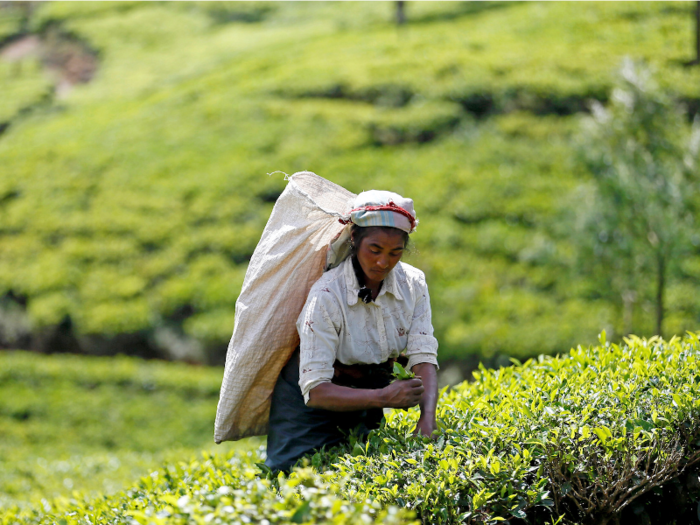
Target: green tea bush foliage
(218,489)
(594,437)
(579,437)
(90,425)
(26,86)
(130,206)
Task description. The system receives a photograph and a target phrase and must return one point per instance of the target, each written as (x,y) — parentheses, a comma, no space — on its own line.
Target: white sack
(289,258)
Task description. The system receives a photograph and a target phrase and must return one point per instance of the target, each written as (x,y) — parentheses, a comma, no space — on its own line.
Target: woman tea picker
(358,318)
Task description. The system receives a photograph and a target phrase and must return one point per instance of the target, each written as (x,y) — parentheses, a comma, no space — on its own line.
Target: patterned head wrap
(382,208)
(372,208)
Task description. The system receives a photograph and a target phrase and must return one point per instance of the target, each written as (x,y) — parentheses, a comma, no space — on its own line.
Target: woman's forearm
(330,396)
(399,394)
(428,403)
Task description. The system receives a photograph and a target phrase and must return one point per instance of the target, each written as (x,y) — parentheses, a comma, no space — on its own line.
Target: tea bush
(579,437)
(601,435)
(91,425)
(26,86)
(218,489)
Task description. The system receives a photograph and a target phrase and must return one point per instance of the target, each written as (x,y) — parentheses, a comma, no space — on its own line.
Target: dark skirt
(297,429)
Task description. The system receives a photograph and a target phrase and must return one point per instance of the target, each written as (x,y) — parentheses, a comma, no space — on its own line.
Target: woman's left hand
(426,427)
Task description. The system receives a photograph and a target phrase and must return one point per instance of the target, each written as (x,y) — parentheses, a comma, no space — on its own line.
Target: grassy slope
(88,425)
(144,192)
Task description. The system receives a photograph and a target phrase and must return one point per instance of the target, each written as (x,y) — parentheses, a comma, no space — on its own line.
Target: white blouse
(335,324)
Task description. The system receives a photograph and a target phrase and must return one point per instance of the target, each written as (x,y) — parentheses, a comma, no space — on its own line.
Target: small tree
(697,32)
(640,208)
(400,12)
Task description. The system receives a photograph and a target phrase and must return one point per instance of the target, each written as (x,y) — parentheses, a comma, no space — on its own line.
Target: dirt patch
(71,61)
(21,48)
(67,59)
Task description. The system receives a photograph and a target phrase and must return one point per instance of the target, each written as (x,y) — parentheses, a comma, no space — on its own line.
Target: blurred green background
(136,139)
(73,426)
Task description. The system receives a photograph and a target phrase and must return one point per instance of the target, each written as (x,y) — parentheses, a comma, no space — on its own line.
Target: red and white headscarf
(382,208)
(372,208)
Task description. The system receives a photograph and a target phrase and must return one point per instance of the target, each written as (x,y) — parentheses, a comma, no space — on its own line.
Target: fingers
(417,386)
(406,393)
(414,392)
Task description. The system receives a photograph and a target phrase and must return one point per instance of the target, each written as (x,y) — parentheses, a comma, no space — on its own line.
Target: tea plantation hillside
(606,434)
(88,425)
(130,205)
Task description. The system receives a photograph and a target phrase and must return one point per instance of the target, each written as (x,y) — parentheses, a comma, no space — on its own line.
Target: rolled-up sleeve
(422,345)
(318,326)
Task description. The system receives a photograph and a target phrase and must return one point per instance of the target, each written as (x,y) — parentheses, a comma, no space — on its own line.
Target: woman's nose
(383,262)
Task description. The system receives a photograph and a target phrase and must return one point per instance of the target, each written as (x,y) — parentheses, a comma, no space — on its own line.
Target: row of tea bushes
(597,436)
(132,205)
(94,424)
(489,57)
(217,490)
(581,436)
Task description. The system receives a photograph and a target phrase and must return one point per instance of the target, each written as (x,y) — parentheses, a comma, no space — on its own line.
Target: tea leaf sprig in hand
(401,373)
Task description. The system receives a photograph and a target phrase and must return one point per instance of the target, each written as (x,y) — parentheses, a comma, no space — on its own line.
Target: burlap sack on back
(289,258)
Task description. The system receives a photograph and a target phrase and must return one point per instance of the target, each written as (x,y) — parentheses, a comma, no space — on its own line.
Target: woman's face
(379,252)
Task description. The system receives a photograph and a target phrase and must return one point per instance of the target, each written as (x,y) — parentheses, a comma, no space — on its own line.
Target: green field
(86,425)
(130,206)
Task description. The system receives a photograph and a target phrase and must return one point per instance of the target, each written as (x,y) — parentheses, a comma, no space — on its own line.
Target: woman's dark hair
(357,233)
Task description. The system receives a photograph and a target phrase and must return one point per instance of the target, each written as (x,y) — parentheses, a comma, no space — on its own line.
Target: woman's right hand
(405,393)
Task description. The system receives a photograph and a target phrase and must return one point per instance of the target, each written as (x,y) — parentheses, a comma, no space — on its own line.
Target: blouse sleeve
(319,328)
(422,345)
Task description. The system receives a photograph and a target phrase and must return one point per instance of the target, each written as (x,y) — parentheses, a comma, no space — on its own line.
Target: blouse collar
(389,285)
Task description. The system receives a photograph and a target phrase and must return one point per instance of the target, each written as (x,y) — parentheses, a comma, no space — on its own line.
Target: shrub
(93,425)
(26,85)
(218,489)
(580,436)
(574,439)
